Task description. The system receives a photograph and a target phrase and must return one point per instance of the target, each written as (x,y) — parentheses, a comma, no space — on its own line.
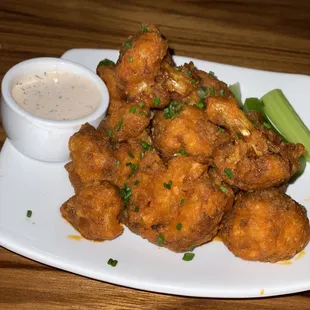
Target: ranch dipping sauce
(57,95)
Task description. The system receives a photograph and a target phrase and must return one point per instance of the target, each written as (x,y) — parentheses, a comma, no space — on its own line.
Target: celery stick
(284,118)
(235,89)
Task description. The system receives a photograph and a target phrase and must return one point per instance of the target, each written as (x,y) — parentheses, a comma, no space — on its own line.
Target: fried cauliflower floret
(252,161)
(189,131)
(188,84)
(124,120)
(266,226)
(138,69)
(94,211)
(92,157)
(176,207)
(127,122)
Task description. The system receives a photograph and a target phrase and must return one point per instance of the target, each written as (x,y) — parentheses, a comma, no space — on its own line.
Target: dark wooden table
(272,35)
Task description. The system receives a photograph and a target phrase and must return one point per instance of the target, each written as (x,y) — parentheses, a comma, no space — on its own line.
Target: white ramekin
(39,138)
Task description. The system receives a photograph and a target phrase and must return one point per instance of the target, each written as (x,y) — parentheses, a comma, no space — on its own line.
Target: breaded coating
(92,157)
(94,211)
(189,132)
(127,122)
(178,207)
(138,69)
(251,161)
(266,226)
(188,84)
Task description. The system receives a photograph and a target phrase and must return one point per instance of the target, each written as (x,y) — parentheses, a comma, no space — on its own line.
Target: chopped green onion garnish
(130,155)
(141,155)
(137,209)
(229,173)
(285,119)
(220,128)
(193,81)
(125,193)
(202,93)
(106,62)
(160,239)
(182,201)
(146,146)
(223,188)
(180,152)
(133,110)
(188,256)
(144,28)
(119,125)
(222,92)
(112,262)
(168,185)
(211,91)
(211,73)
(179,226)
(128,44)
(191,248)
(110,133)
(29,213)
(200,105)
(156,102)
(140,104)
(142,113)
(118,162)
(137,182)
(130,59)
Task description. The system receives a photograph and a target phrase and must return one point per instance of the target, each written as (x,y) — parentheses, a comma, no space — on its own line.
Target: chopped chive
(266,125)
(130,155)
(182,201)
(146,146)
(133,110)
(229,173)
(200,105)
(144,28)
(211,73)
(29,213)
(137,209)
(137,182)
(168,185)
(140,104)
(130,59)
(222,92)
(106,62)
(188,256)
(112,262)
(160,239)
(191,248)
(119,125)
(193,81)
(125,193)
(211,91)
(118,162)
(202,92)
(110,133)
(179,226)
(156,102)
(128,44)
(180,152)
(223,188)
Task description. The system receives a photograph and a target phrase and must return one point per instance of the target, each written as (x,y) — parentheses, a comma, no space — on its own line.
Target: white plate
(214,272)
